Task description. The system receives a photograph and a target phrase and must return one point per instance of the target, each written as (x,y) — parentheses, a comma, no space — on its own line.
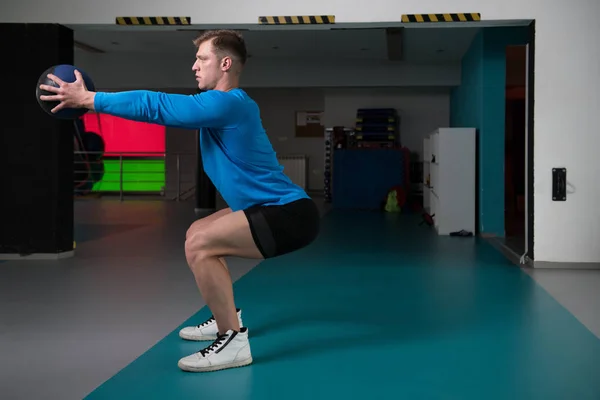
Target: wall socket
(559,184)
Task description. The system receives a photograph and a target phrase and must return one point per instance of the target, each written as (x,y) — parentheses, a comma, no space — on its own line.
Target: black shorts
(281,229)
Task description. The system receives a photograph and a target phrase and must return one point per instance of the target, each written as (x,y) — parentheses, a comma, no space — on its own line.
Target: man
(268,215)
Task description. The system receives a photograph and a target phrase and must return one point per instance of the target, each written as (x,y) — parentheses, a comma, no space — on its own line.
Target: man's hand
(70,95)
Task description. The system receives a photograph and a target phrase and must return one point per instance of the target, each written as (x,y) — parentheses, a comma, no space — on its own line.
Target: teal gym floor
(377,306)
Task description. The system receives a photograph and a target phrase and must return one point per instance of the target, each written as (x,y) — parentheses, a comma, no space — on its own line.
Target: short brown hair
(227,41)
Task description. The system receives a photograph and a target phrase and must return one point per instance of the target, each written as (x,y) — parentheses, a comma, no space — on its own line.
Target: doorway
(515,136)
(519,139)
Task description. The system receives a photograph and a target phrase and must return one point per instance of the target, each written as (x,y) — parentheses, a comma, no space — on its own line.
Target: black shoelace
(208,321)
(214,345)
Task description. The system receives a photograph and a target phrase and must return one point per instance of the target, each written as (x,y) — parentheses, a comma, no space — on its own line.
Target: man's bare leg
(206,330)
(216,288)
(202,223)
(228,236)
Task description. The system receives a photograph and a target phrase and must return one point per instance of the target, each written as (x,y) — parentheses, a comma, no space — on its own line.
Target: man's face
(208,67)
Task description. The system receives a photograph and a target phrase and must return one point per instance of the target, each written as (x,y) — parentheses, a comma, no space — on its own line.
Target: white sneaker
(230,350)
(207,330)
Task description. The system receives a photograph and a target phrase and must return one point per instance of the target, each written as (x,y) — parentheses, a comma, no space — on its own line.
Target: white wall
(567,86)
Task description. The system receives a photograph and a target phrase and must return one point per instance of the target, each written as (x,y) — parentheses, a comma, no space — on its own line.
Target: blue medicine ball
(66,73)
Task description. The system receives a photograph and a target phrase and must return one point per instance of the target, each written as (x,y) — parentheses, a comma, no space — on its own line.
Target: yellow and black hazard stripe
(153,20)
(297,20)
(458,17)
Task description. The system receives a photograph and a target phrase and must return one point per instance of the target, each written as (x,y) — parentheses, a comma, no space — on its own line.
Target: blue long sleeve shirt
(236,152)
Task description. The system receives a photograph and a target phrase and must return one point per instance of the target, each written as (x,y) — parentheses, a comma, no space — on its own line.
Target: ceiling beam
(394,41)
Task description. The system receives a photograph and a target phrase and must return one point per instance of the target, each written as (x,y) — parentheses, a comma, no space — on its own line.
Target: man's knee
(189,232)
(194,227)
(198,247)
(202,223)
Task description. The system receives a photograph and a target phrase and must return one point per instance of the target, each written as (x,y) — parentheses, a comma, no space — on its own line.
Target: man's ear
(226,63)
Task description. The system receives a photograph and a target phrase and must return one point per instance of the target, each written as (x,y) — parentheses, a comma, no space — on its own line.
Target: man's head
(220,58)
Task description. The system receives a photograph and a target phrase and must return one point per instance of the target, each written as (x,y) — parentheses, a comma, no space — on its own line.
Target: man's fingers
(56,79)
(79,78)
(57,108)
(48,88)
(51,98)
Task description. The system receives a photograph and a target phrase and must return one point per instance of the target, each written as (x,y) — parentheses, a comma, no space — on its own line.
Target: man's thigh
(230,236)
(204,222)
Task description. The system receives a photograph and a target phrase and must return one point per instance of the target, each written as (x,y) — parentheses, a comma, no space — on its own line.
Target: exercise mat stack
(377,127)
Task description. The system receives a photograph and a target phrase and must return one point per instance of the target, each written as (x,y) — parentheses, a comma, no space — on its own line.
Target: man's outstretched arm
(213,109)
(209,109)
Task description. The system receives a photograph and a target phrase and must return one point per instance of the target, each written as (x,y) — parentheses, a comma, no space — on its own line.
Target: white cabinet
(449,164)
